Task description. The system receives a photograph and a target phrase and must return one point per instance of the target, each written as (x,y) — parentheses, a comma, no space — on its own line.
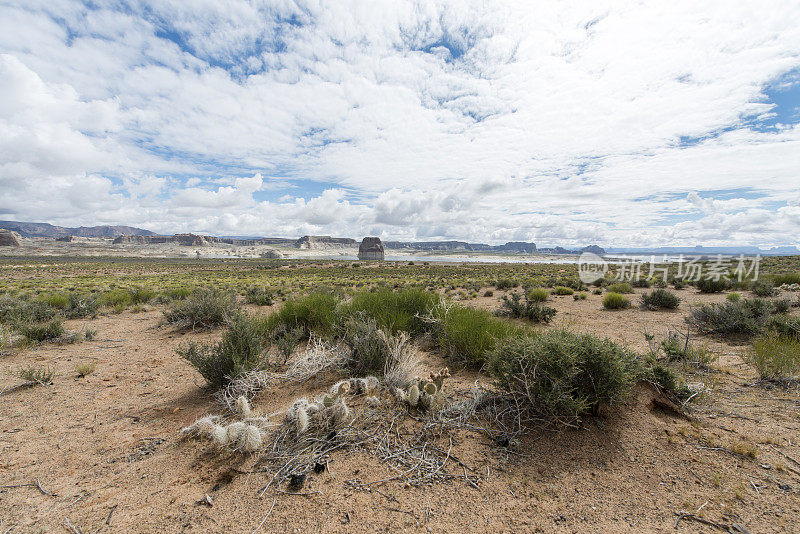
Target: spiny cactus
(220,436)
(235,431)
(372,402)
(340,388)
(251,439)
(422,392)
(243,407)
(298,416)
(203,427)
(413,395)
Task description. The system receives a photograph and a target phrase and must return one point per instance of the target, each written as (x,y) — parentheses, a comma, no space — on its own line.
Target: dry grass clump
(204,308)
(33,375)
(775,356)
(83,369)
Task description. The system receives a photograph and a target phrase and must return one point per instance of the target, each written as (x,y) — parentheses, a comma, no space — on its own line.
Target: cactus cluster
(423,393)
(364,386)
(246,435)
(327,412)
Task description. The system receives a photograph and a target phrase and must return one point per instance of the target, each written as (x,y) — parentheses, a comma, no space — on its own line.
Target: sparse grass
(204,308)
(83,369)
(786,325)
(733,297)
(394,311)
(745,448)
(660,299)
(314,313)
(616,301)
(775,356)
(36,375)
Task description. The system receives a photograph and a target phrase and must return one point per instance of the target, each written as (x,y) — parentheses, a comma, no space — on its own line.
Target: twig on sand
(35,484)
(108,519)
(73,528)
(274,502)
(734,528)
(302,493)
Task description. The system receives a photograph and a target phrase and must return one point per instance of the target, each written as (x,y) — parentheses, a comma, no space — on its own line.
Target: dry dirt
(107,453)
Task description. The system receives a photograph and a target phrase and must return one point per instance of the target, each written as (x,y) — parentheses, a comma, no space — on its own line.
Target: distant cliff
(33,229)
(462,246)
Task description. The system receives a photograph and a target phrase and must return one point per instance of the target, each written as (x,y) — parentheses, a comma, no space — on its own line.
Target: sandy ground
(106,450)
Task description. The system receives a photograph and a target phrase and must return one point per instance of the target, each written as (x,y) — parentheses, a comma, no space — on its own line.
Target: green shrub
(537,294)
(488,293)
(204,308)
(762,288)
(83,369)
(242,349)
(597,291)
(641,282)
(260,296)
(141,295)
(315,313)
(116,298)
(178,293)
(615,301)
(789,278)
(394,311)
(81,305)
(55,300)
(733,297)
(677,348)
(747,316)
(466,334)
(562,290)
(561,376)
(709,285)
(781,306)
(775,356)
(47,331)
(678,283)
(533,311)
(660,299)
(505,283)
(620,288)
(785,325)
(580,296)
(15,311)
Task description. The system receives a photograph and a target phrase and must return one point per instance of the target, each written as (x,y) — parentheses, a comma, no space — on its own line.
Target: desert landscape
(424,266)
(104,420)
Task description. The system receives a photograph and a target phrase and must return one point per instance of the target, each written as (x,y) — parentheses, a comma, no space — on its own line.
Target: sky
(563,123)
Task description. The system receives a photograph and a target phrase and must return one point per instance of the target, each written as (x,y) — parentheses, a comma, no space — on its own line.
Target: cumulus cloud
(619,123)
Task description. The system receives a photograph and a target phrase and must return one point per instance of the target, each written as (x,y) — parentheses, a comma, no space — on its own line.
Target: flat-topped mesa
(371,249)
(9,238)
(323,242)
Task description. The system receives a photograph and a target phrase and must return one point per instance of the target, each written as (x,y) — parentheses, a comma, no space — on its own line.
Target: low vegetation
(616,301)
(711,285)
(561,376)
(745,317)
(776,356)
(514,306)
(204,308)
(660,299)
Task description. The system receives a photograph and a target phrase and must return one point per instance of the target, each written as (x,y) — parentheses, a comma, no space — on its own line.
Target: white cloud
(554,122)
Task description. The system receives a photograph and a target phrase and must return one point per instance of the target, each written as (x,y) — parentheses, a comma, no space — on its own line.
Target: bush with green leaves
(677,348)
(16,311)
(733,297)
(615,301)
(561,376)
(243,348)
(641,282)
(46,331)
(204,308)
(563,290)
(678,283)
(762,288)
(787,278)
(620,288)
(745,317)
(513,306)
(36,375)
(116,298)
(775,356)
(259,295)
(580,296)
(781,306)
(537,294)
(141,295)
(711,285)
(660,299)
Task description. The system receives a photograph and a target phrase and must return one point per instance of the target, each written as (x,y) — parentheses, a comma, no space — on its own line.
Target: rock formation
(317,242)
(9,238)
(371,249)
